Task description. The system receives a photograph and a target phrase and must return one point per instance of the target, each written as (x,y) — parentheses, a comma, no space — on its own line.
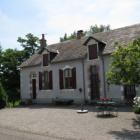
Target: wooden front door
(129,93)
(94,83)
(34,88)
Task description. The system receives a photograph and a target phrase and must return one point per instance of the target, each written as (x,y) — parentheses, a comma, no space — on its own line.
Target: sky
(56,17)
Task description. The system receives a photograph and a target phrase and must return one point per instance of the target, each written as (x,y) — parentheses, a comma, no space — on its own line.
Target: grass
(16,104)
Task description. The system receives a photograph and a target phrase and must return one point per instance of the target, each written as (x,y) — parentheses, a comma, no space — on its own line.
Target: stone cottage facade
(75,69)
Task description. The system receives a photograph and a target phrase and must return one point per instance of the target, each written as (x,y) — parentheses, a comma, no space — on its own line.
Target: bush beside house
(3,97)
(136,106)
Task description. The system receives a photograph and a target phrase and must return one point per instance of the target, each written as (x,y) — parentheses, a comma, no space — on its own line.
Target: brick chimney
(43,42)
(80,34)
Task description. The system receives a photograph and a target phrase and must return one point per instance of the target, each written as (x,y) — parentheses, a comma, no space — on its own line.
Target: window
(92,51)
(67,78)
(45,59)
(45,80)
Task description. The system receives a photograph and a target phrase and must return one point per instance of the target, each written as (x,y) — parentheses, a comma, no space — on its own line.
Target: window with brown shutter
(61,79)
(40,80)
(48,80)
(68,78)
(45,59)
(68,81)
(92,51)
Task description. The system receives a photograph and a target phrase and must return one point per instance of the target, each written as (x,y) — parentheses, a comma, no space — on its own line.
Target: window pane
(67,73)
(46,80)
(68,83)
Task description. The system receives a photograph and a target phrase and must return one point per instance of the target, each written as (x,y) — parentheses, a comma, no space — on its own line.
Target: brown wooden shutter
(40,81)
(61,83)
(50,80)
(45,59)
(74,78)
(92,51)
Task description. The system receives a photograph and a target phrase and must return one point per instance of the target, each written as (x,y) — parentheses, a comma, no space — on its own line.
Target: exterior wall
(87,64)
(25,82)
(45,96)
(115,91)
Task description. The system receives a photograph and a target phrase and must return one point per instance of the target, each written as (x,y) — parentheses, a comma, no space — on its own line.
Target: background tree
(91,30)
(96,29)
(3,96)
(30,44)
(9,73)
(125,66)
(68,37)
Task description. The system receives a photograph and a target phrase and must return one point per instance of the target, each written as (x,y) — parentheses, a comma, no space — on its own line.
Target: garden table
(106,108)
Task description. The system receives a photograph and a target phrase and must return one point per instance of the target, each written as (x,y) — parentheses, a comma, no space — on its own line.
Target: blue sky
(55,17)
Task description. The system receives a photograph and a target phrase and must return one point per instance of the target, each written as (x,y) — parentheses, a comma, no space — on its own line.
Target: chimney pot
(80,34)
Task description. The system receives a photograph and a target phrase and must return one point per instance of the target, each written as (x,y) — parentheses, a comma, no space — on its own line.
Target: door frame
(94,82)
(34,89)
(129,92)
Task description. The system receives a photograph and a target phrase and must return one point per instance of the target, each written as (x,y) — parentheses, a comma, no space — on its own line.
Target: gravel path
(65,123)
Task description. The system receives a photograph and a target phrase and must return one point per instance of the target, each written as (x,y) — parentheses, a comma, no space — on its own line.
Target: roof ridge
(120,28)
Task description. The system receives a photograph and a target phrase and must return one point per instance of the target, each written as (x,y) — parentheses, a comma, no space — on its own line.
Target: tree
(66,37)
(125,66)
(30,44)
(91,30)
(102,28)
(9,72)
(3,96)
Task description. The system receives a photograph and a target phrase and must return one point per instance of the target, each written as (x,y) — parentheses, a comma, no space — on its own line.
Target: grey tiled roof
(74,49)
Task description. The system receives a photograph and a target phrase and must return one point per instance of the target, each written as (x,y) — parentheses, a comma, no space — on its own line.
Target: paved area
(64,123)
(8,134)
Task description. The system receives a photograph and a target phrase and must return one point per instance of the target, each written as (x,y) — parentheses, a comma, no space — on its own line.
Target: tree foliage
(3,96)
(96,29)
(9,72)
(125,66)
(68,37)
(91,30)
(30,44)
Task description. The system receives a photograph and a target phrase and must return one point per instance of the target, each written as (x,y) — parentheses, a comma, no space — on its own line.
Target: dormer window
(45,59)
(92,51)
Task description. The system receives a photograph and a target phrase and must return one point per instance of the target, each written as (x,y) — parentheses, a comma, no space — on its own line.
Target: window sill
(67,89)
(46,90)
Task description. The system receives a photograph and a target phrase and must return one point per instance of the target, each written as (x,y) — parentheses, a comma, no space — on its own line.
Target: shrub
(3,97)
(136,106)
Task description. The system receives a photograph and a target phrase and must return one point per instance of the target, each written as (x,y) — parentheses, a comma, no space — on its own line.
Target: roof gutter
(84,92)
(103,74)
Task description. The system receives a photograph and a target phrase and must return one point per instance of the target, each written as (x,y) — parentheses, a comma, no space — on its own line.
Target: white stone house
(59,70)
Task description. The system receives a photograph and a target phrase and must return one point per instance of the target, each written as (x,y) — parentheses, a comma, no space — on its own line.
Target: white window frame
(69,76)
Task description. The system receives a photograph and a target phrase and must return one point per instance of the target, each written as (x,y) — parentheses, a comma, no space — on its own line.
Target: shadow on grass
(125,134)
